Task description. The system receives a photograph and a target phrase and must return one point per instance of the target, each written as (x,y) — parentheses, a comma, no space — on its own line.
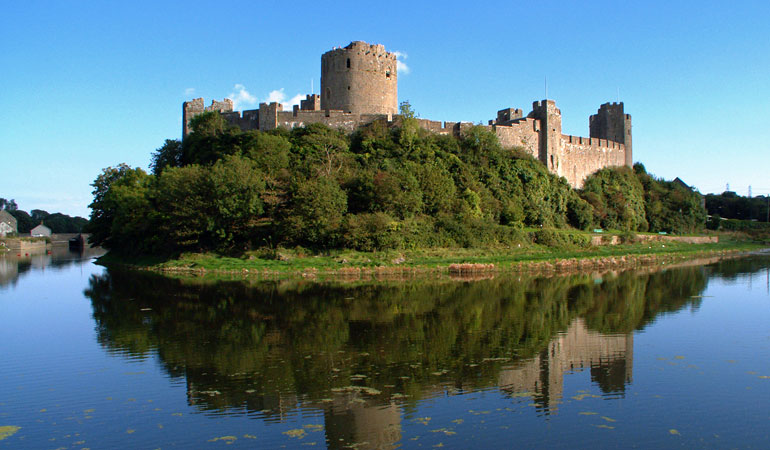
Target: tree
(320,149)
(397,192)
(438,188)
(211,138)
(121,210)
(270,152)
(8,205)
(182,200)
(24,222)
(670,206)
(39,215)
(169,155)
(316,212)
(236,187)
(62,223)
(409,130)
(618,197)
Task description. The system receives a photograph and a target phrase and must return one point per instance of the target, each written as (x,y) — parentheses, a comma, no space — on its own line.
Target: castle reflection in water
(366,355)
(352,417)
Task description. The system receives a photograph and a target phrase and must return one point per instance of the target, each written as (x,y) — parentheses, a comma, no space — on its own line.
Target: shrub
(370,232)
(628,237)
(563,239)
(618,199)
(315,214)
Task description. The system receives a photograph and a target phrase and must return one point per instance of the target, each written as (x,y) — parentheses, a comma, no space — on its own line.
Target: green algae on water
(298,433)
(227,439)
(8,431)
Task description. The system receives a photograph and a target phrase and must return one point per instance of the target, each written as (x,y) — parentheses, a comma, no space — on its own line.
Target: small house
(7,223)
(40,231)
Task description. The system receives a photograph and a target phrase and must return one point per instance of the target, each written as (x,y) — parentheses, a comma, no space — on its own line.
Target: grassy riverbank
(299,262)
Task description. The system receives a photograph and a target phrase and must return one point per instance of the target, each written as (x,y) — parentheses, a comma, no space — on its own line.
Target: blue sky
(86,85)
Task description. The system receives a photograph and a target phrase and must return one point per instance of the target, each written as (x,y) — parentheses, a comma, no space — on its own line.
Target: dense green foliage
(57,222)
(228,190)
(633,200)
(617,197)
(718,223)
(730,205)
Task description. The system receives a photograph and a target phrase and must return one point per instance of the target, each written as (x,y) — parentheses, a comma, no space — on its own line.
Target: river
(98,358)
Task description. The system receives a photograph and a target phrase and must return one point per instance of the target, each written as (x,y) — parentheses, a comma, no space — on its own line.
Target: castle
(359,85)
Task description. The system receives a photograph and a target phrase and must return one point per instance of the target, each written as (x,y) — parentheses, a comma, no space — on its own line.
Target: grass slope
(288,262)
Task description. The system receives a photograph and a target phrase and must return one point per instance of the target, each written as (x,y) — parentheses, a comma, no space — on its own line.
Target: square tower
(611,123)
(550,133)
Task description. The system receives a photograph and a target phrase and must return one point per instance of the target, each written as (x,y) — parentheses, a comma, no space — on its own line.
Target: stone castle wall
(613,124)
(196,106)
(270,116)
(579,157)
(524,133)
(609,357)
(359,85)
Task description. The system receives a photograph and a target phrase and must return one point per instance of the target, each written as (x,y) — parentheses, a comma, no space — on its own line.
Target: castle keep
(359,85)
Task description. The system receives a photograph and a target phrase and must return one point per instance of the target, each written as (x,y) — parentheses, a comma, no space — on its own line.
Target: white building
(40,231)
(7,223)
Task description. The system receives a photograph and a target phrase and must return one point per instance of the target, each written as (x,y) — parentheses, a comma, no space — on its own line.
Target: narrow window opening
(348,63)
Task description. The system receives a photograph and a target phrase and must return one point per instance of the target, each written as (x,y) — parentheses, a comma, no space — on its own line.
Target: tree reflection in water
(362,351)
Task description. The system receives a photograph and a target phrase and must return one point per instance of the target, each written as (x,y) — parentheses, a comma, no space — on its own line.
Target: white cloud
(189,92)
(276,96)
(293,101)
(241,97)
(280,96)
(400,64)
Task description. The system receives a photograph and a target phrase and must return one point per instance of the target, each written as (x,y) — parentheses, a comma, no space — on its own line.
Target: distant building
(7,223)
(678,181)
(40,231)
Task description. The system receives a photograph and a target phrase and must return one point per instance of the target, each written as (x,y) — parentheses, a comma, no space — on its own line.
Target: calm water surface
(97,358)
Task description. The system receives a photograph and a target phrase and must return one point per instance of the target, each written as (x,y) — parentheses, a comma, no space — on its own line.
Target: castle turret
(360,78)
(268,115)
(196,106)
(611,123)
(550,133)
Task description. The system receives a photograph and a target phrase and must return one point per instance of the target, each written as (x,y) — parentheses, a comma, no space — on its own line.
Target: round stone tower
(360,78)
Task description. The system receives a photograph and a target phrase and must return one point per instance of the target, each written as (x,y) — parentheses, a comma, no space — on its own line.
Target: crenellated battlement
(197,106)
(359,85)
(592,142)
(363,48)
(612,123)
(360,78)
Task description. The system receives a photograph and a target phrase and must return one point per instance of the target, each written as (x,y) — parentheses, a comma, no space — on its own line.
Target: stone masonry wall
(579,157)
(572,157)
(359,85)
(334,119)
(360,78)
(196,106)
(610,122)
(525,133)
(577,348)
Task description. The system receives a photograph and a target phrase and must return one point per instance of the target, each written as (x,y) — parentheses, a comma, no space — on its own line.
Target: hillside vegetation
(227,190)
